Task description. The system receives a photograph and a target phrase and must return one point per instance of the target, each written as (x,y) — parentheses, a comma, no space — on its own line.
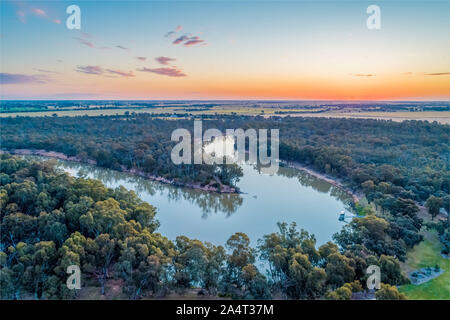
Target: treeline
(50,220)
(386,159)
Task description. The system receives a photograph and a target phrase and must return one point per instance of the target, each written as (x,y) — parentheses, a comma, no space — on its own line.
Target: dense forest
(392,163)
(386,159)
(50,220)
(117,143)
(397,166)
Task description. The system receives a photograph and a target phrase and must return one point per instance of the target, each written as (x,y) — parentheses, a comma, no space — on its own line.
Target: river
(288,196)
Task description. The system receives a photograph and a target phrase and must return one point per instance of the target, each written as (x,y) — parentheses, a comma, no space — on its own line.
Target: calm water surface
(290,195)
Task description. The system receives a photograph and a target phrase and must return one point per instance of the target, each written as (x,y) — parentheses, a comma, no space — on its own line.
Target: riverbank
(61,156)
(333,181)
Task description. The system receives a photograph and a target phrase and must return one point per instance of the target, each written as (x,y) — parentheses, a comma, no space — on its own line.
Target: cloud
(438,74)
(121,47)
(193,41)
(363,75)
(24,10)
(171,33)
(180,39)
(90,69)
(121,73)
(85,42)
(39,12)
(188,40)
(45,71)
(97,70)
(15,78)
(169,71)
(141,58)
(164,60)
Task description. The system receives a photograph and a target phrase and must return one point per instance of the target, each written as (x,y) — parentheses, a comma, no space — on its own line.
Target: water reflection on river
(290,195)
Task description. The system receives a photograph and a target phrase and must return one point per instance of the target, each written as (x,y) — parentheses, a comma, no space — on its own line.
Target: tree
(344,292)
(406,207)
(341,293)
(255,284)
(214,268)
(190,262)
(390,271)
(241,253)
(142,263)
(104,255)
(294,260)
(446,205)
(102,218)
(43,261)
(388,292)
(328,248)
(338,270)
(374,226)
(433,205)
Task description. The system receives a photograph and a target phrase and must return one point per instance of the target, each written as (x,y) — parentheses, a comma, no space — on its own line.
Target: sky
(199,50)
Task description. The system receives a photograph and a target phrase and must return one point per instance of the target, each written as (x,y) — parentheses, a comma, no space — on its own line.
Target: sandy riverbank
(333,181)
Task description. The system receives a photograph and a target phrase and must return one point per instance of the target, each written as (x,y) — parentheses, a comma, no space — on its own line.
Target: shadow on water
(208,202)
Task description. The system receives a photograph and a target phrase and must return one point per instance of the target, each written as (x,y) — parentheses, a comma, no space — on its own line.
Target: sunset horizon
(225,51)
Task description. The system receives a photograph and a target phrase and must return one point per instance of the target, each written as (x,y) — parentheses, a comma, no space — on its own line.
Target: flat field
(439,116)
(427,254)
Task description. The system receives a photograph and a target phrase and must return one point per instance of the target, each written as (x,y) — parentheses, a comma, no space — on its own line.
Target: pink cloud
(438,74)
(364,75)
(85,42)
(193,41)
(171,33)
(25,10)
(164,60)
(188,40)
(121,73)
(180,39)
(97,70)
(39,12)
(141,58)
(170,72)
